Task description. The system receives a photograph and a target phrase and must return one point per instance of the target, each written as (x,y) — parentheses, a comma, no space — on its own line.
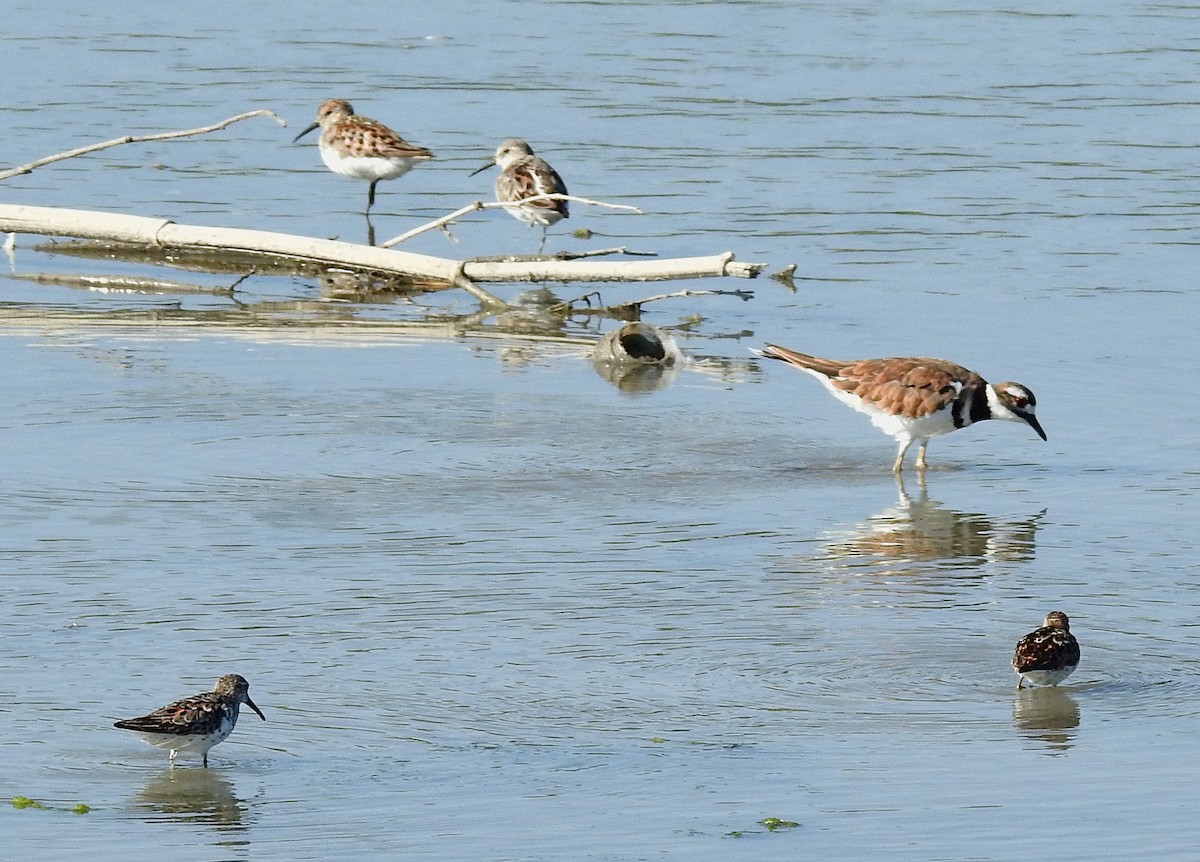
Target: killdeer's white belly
(920,427)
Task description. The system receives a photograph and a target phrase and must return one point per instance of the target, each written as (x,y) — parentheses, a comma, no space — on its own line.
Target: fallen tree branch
(480,205)
(712,266)
(132,139)
(157,233)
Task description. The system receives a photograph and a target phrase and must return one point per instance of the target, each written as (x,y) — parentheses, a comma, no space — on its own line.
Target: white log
(160,232)
(711,266)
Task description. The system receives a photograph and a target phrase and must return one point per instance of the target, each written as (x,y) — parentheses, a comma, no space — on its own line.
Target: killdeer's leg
(171,758)
(899,465)
(921,463)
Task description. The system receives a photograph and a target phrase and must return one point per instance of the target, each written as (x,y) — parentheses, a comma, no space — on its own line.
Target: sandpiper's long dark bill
(197,723)
(915,398)
(362,148)
(1048,655)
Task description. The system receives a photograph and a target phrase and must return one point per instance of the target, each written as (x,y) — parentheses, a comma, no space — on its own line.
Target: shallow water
(492,606)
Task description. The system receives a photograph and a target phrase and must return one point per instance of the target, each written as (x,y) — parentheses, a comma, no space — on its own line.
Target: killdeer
(1047,655)
(913,398)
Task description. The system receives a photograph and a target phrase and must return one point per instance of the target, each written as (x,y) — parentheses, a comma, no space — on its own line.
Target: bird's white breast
(366,167)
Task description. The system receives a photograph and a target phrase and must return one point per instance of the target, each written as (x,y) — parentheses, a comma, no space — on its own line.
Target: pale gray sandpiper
(362,148)
(524,175)
(915,398)
(197,723)
(1048,655)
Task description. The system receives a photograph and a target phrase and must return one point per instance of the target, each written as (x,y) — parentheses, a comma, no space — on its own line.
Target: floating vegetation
(772,824)
(21,802)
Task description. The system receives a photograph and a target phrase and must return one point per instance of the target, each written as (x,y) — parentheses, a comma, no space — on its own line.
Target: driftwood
(133,139)
(164,233)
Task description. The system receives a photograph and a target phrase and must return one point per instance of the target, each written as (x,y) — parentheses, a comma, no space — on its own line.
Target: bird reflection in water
(1048,715)
(908,536)
(193,796)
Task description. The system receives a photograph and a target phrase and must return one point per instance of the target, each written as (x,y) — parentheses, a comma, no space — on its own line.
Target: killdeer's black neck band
(970,406)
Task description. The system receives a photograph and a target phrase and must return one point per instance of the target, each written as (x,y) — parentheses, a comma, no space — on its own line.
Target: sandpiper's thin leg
(371,195)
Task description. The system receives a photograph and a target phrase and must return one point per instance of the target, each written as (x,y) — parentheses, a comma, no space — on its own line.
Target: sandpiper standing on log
(915,398)
(524,175)
(362,148)
(197,723)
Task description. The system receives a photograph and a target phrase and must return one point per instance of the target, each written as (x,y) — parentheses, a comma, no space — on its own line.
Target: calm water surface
(494,608)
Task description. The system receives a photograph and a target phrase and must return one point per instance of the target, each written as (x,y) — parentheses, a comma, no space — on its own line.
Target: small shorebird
(914,398)
(524,175)
(1047,655)
(197,723)
(361,148)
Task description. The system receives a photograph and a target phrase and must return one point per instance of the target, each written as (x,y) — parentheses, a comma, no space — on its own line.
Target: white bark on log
(710,266)
(160,232)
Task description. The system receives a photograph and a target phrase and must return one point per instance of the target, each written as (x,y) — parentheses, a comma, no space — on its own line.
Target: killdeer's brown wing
(907,385)
(903,385)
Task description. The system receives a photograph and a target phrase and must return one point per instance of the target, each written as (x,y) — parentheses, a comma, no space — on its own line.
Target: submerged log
(160,233)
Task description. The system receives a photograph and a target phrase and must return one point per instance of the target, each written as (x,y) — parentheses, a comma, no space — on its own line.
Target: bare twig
(623,310)
(480,205)
(433,225)
(133,139)
(603,252)
(744,295)
(234,286)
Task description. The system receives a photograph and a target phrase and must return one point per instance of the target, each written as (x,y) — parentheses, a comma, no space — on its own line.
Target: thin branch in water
(743,295)
(603,252)
(233,287)
(632,310)
(480,205)
(135,139)
(586,298)
(488,299)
